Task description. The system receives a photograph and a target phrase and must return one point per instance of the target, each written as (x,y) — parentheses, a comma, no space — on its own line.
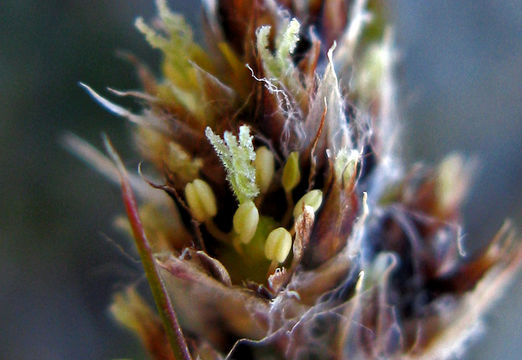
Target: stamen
(278,245)
(291,172)
(201,200)
(312,198)
(265,166)
(245,221)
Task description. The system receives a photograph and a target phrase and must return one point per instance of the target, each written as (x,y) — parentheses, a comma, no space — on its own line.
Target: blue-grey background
(460,88)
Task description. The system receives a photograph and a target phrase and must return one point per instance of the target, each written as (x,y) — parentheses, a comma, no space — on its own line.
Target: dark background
(460,81)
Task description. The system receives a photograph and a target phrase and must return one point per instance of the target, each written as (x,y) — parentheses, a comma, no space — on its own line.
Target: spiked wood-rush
(285,227)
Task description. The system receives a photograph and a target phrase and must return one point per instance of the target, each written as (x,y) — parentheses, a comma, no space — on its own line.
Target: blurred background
(460,79)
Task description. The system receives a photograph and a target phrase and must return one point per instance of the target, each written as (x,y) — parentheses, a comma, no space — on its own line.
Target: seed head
(292,100)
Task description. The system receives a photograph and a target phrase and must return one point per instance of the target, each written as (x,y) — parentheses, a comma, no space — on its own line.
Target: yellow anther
(201,200)
(313,199)
(245,221)
(291,172)
(278,245)
(265,166)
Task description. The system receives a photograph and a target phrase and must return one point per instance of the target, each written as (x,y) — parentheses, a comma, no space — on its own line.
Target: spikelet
(294,232)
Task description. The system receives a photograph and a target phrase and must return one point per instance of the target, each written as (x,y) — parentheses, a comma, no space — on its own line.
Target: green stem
(157,287)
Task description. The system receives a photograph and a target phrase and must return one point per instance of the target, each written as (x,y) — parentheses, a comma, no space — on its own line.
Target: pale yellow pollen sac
(278,245)
(313,198)
(201,200)
(245,221)
(265,166)
(291,173)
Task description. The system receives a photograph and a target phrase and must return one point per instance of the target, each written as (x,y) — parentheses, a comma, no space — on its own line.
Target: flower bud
(350,171)
(313,199)
(278,245)
(345,166)
(245,221)
(291,172)
(201,200)
(265,166)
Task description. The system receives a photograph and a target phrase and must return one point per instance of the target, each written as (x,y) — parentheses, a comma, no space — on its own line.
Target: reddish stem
(157,286)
